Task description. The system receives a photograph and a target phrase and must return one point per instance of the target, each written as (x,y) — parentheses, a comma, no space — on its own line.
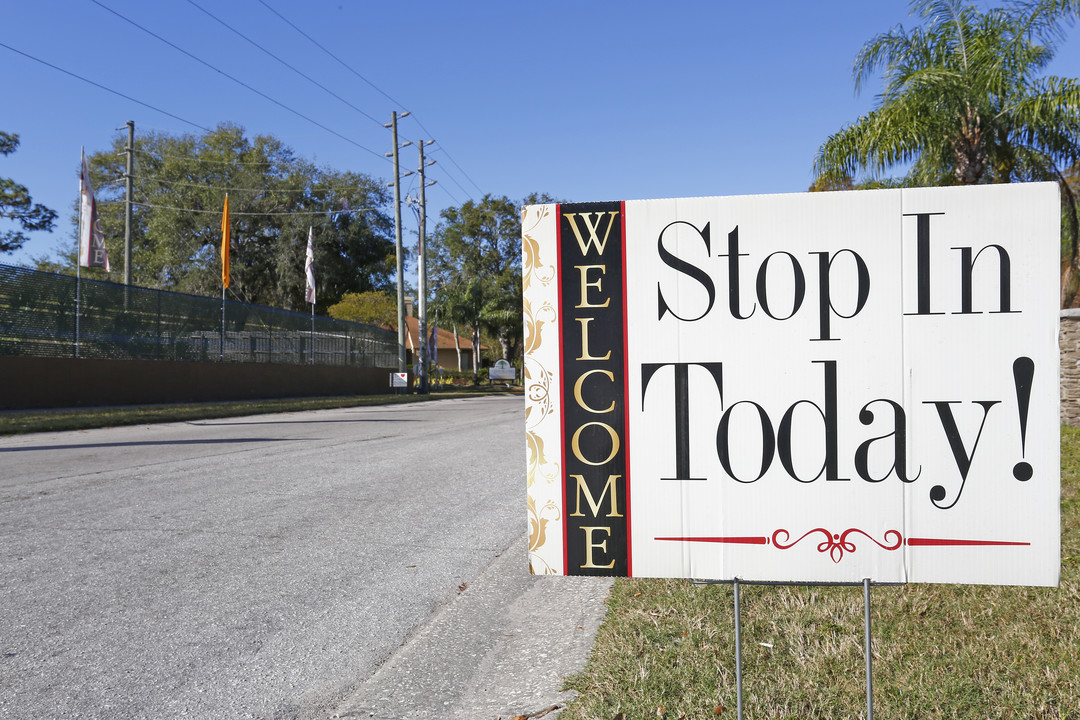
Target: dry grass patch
(941,652)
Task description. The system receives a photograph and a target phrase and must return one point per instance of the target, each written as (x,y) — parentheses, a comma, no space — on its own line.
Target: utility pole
(127,201)
(397,233)
(422,273)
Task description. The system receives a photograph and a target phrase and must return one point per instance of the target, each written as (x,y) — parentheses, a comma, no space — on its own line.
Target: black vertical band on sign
(591,311)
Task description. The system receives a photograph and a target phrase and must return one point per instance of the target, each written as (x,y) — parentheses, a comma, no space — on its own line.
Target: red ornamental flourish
(837,544)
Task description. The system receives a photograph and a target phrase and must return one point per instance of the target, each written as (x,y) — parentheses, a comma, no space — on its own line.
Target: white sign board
(399,380)
(821,387)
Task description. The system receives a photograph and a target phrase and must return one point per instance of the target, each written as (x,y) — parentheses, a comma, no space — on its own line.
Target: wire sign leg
(869,657)
(738,652)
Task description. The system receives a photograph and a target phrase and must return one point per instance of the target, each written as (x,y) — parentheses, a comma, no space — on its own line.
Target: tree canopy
(374,307)
(179,189)
(16,204)
(965,101)
(476,270)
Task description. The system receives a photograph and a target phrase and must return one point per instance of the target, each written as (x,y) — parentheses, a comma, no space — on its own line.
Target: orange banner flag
(225,244)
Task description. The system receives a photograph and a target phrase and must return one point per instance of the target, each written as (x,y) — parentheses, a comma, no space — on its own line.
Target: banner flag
(91,239)
(309,270)
(225,244)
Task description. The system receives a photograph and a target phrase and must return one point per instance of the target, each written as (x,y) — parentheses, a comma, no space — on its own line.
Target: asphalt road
(362,562)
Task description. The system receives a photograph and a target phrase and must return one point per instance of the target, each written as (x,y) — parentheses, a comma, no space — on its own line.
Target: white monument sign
(502,370)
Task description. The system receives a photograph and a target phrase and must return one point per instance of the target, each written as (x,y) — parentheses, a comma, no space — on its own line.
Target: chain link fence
(50,315)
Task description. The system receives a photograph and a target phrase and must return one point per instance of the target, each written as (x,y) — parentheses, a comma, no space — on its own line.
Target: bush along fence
(50,315)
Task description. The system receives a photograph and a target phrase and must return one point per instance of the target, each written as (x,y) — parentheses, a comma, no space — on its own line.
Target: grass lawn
(941,652)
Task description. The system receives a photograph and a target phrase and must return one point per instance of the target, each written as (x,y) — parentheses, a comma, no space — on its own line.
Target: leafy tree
(831,183)
(825,183)
(476,266)
(964,102)
(375,307)
(16,204)
(274,197)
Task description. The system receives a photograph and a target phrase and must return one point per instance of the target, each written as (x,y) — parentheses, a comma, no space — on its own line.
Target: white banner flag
(91,240)
(309,271)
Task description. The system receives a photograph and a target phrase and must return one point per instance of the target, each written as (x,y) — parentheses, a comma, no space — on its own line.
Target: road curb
(503,647)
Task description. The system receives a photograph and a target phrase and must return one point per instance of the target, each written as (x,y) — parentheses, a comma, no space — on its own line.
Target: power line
(456,201)
(172,134)
(454,180)
(237,80)
(103,87)
(316,188)
(375,87)
(313,81)
(205,129)
(233,213)
(451,159)
(149,154)
(335,57)
(256,163)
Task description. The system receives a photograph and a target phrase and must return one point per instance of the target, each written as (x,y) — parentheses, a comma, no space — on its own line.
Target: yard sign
(819,387)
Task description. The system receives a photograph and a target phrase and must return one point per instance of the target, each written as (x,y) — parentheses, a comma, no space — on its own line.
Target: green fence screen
(50,315)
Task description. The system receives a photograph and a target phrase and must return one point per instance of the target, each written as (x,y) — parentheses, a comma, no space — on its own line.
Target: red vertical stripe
(626,396)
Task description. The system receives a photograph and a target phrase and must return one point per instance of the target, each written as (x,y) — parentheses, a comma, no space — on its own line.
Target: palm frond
(961,96)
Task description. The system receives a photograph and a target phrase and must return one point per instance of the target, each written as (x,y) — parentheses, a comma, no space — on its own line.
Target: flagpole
(312,333)
(223,323)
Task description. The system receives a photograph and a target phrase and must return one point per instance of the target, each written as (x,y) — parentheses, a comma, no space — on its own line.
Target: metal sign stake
(738,652)
(869,657)
(867,647)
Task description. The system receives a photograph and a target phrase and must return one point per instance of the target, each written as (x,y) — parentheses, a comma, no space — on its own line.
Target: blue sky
(583,100)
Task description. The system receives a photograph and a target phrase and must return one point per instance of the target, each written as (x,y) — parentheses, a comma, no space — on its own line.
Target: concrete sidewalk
(501,648)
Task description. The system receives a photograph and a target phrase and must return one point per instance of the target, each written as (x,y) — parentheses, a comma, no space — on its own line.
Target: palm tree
(453,306)
(964,103)
(502,318)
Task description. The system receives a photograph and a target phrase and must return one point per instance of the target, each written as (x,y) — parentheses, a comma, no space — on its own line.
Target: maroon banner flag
(91,239)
